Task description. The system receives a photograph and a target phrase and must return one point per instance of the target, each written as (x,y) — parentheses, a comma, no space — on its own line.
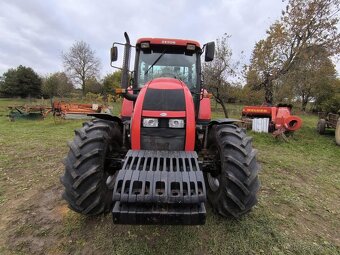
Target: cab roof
(168,41)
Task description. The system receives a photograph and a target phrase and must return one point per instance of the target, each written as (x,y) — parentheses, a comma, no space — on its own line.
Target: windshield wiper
(154,63)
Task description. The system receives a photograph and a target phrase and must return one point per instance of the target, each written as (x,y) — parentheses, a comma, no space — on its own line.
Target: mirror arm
(116,66)
(203,48)
(123,44)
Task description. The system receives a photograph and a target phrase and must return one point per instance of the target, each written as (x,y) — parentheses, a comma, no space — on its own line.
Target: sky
(34,33)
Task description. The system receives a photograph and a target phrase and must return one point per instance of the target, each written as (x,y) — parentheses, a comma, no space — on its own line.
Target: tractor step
(159,187)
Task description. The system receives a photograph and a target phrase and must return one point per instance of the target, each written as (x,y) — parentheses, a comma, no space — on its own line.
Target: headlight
(176,123)
(150,122)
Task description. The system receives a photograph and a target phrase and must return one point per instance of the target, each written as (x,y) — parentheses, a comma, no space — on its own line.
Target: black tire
(321,126)
(236,171)
(87,167)
(337,132)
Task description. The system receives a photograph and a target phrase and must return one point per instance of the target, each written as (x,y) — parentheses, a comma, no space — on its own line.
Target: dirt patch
(36,222)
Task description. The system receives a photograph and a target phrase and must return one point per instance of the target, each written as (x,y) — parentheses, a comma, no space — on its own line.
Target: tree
(332,104)
(303,24)
(2,82)
(251,96)
(218,72)
(312,76)
(22,81)
(111,81)
(81,63)
(93,85)
(57,84)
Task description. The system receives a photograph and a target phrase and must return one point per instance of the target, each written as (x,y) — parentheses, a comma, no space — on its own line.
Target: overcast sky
(35,32)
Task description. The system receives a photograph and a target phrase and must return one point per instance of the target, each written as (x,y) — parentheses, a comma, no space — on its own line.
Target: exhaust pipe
(126,62)
(124,83)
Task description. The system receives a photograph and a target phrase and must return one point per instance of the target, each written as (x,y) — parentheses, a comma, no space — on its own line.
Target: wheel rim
(213,177)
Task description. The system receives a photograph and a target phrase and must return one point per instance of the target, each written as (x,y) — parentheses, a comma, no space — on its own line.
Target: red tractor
(163,157)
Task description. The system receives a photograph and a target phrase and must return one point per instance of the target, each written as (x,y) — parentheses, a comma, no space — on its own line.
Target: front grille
(162,139)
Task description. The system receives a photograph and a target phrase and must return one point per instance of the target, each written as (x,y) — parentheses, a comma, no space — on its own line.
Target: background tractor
(163,157)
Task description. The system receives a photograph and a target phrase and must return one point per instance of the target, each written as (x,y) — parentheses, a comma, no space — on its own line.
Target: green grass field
(298,210)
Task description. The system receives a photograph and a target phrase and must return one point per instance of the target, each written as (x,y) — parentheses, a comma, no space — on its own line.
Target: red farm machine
(163,158)
(279,118)
(69,110)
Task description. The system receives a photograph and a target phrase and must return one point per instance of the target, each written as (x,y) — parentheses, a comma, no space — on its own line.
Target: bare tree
(81,63)
(217,73)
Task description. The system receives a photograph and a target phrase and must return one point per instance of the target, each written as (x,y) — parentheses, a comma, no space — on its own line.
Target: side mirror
(114,54)
(209,51)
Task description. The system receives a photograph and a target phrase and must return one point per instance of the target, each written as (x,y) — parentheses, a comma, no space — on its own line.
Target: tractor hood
(165,83)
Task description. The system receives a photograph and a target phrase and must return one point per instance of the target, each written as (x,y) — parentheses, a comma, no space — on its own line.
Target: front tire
(88,165)
(232,186)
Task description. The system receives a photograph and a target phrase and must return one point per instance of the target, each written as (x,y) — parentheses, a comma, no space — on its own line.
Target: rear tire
(87,167)
(337,132)
(321,126)
(233,187)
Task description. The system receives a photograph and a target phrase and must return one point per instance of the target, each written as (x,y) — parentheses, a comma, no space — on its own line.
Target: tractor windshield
(167,63)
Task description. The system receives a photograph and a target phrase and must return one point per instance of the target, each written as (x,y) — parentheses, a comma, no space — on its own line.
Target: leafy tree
(2,81)
(218,72)
(57,84)
(312,76)
(22,82)
(93,85)
(81,63)
(251,96)
(303,24)
(332,104)
(111,81)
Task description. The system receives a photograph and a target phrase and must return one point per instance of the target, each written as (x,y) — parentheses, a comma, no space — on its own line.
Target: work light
(191,46)
(145,45)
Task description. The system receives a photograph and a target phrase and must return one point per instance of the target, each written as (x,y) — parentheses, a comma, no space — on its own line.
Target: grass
(298,210)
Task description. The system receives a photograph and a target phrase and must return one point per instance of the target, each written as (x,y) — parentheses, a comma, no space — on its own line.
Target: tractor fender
(223,121)
(107,116)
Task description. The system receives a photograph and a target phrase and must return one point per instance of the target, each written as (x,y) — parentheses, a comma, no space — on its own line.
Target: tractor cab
(166,99)
(179,59)
(165,58)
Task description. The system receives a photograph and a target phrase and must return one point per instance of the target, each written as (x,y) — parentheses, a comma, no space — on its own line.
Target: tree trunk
(83,87)
(224,108)
(225,111)
(268,87)
(304,102)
